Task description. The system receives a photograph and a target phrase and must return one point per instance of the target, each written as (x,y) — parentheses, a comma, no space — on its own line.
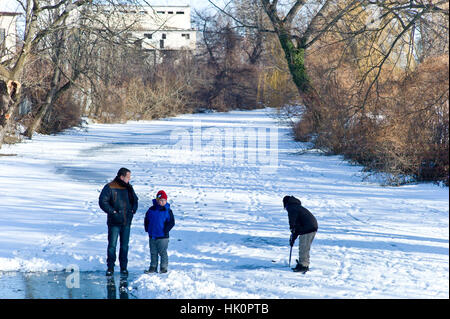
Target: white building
(8,26)
(167,28)
(154,27)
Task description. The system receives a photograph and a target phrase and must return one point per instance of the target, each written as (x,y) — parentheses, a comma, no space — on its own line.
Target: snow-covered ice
(231,234)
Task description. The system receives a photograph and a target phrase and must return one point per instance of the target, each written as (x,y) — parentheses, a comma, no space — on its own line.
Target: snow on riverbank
(231,234)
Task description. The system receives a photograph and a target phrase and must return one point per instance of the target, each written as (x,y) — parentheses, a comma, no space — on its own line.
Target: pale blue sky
(8,5)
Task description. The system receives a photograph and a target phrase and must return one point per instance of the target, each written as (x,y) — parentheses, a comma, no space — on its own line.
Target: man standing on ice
(120,202)
(303,223)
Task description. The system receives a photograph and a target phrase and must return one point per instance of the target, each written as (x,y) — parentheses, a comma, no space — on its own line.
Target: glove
(292,240)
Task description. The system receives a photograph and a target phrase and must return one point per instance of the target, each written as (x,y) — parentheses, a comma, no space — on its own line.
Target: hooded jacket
(159,220)
(301,221)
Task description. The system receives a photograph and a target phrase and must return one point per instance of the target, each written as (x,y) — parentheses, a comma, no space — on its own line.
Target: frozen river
(225,175)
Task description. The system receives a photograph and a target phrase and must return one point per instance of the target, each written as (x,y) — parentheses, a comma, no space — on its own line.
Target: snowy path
(231,233)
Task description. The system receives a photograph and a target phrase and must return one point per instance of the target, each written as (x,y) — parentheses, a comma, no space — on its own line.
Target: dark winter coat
(120,199)
(159,220)
(301,221)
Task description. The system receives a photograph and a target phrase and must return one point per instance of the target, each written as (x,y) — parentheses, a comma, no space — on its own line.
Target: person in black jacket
(301,223)
(120,202)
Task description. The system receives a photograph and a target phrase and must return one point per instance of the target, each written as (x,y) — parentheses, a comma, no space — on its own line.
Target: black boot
(300,268)
(110,271)
(150,270)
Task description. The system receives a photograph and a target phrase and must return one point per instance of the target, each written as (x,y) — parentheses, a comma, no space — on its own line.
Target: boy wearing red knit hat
(159,220)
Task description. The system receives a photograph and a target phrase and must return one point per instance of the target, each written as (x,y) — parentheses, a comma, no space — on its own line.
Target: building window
(161,44)
(186,36)
(148,35)
(170,12)
(163,36)
(161,12)
(180,12)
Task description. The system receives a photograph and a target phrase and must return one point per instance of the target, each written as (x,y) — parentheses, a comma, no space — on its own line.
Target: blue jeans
(113,233)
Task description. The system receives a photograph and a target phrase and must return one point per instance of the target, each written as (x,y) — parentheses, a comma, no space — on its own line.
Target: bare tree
(12,71)
(357,66)
(229,58)
(71,35)
(74,49)
(300,24)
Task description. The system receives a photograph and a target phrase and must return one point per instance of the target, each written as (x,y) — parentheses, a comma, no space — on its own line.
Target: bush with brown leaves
(400,128)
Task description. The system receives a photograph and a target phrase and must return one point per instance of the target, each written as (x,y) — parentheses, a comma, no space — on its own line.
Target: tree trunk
(295,58)
(294,52)
(5,122)
(49,100)
(9,101)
